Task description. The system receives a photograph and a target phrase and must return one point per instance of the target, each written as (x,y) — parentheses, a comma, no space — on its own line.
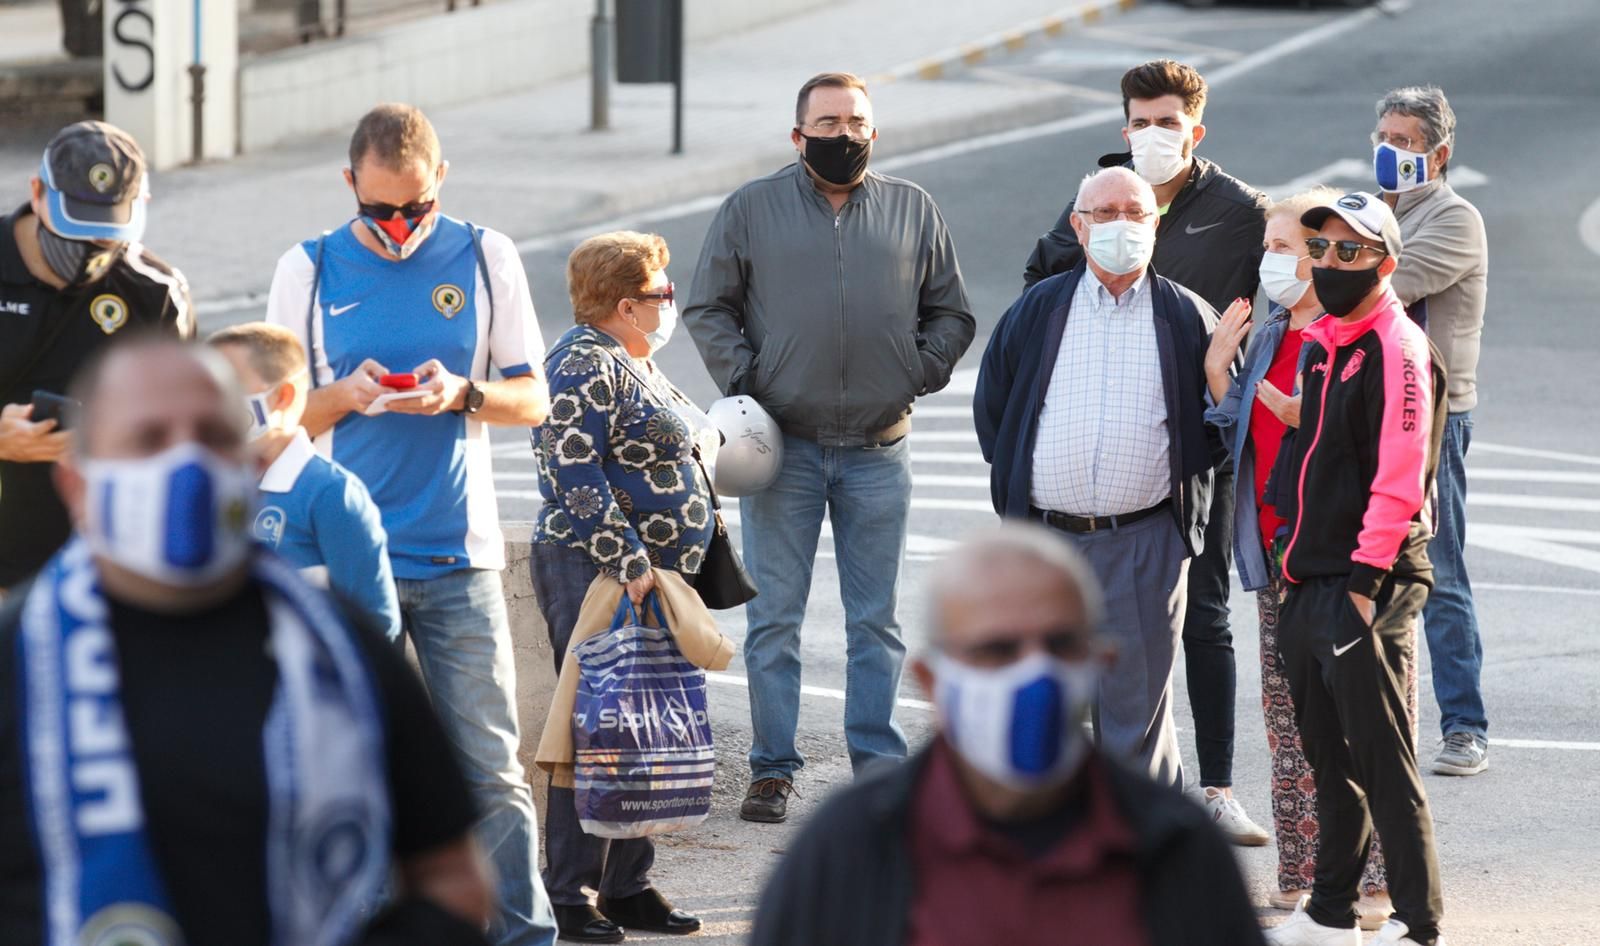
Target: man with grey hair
(1090,407)
(1010,807)
(1442,280)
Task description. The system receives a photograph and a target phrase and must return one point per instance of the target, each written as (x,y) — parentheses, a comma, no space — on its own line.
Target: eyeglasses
(1347,250)
(665,296)
(1403,142)
(830,127)
(1108,214)
(410,211)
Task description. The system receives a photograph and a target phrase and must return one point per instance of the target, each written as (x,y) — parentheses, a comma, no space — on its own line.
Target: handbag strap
(627,612)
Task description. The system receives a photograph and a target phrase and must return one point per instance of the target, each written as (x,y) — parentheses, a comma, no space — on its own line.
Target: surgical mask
(1121,246)
(1158,153)
(1399,171)
(1022,724)
(661,334)
(1341,290)
(181,517)
(77,262)
(838,160)
(260,408)
(401,237)
(1279,279)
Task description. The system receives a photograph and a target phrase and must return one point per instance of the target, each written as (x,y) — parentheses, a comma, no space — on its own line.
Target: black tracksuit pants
(1348,684)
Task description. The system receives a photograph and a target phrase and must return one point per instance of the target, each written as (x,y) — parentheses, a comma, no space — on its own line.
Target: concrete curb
(1004,42)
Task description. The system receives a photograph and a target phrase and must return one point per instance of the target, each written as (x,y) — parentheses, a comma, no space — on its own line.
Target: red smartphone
(400,382)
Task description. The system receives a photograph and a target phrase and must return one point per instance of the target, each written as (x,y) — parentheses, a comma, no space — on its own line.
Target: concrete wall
(446,59)
(536,675)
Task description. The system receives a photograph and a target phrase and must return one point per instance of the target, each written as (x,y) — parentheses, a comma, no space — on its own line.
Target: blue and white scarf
(328,828)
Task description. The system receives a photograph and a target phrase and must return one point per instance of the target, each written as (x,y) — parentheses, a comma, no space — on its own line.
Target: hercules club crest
(109,312)
(449,299)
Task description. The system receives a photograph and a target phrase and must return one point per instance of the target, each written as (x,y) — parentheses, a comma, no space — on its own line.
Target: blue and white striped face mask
(1399,171)
(181,517)
(1022,724)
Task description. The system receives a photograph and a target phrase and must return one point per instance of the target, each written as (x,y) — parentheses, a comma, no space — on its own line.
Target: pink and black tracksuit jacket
(1366,452)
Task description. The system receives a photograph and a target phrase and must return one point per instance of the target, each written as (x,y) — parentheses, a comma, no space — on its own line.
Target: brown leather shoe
(767,801)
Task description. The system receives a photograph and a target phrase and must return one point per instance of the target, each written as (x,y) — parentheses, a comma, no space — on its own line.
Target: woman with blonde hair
(1256,411)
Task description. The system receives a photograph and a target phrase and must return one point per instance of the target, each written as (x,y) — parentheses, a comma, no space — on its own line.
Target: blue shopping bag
(644,761)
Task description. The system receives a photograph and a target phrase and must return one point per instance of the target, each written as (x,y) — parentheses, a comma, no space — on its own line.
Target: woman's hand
(1224,347)
(1284,407)
(639,587)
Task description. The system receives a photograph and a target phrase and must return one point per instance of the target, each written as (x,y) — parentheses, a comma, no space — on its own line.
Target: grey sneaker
(1462,754)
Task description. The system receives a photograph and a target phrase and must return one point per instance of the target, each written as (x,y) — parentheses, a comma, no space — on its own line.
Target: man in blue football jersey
(313,512)
(402,288)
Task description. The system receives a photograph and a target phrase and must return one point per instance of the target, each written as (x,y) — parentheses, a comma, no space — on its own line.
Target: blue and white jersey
(430,476)
(321,520)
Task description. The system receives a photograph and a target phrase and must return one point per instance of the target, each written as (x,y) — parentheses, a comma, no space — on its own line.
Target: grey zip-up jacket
(1443,277)
(835,323)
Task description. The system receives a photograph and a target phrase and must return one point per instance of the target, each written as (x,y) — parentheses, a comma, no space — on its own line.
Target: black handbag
(722,582)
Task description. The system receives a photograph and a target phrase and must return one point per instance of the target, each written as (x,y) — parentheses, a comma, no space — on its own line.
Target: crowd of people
(207,748)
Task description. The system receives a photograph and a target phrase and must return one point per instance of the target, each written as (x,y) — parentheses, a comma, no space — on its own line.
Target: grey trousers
(1143,569)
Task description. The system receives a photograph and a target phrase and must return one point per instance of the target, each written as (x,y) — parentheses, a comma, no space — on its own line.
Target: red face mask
(399,228)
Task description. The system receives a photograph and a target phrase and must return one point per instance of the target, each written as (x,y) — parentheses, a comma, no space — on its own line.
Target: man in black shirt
(1209,240)
(72,275)
(162,646)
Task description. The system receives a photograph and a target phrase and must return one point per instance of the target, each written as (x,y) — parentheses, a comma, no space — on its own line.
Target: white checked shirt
(1102,447)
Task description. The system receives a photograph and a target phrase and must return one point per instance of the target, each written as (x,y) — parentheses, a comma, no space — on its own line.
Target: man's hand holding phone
(444,391)
(24,440)
(360,388)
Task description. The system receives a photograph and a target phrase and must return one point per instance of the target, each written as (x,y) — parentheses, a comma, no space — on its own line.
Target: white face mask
(1121,246)
(1022,724)
(1158,153)
(1399,171)
(260,408)
(181,517)
(1279,280)
(661,334)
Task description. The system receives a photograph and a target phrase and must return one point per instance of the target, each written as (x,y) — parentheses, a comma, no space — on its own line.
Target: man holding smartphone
(72,275)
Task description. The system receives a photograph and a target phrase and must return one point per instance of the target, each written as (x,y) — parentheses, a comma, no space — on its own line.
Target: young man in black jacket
(1010,827)
(1209,240)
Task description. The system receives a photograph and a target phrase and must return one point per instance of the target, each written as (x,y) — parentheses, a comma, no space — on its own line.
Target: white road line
(1533,589)
(1360,169)
(964,413)
(1533,453)
(944,436)
(1535,544)
(935,456)
(730,679)
(936,479)
(1554,503)
(1546,744)
(1589,227)
(1534,476)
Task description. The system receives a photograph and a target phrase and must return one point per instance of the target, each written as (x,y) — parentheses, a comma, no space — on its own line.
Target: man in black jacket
(1010,827)
(1209,241)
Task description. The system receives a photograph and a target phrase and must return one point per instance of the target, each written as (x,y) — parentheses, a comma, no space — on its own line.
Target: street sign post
(650,50)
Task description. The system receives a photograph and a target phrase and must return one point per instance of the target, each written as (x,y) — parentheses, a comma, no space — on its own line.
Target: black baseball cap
(1366,214)
(95,183)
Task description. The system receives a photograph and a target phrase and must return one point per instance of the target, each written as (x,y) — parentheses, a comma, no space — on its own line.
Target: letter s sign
(126,30)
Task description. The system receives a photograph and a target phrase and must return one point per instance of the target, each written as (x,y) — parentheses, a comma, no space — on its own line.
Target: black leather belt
(1066,523)
(884,437)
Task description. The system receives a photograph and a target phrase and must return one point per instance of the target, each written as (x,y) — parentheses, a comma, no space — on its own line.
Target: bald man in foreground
(1011,827)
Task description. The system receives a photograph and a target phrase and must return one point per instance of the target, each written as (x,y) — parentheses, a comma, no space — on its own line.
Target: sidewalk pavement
(526,165)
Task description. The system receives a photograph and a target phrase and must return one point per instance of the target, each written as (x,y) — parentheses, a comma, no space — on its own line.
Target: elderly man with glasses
(1090,406)
(830,294)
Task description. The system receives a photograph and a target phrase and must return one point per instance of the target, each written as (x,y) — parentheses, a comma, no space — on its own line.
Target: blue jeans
(458,625)
(1448,619)
(615,868)
(866,494)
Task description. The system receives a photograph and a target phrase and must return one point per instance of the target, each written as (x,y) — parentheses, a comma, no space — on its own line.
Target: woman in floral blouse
(624,494)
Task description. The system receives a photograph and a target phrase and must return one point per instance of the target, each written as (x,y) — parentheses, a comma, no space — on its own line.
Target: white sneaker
(1229,815)
(1301,930)
(1395,932)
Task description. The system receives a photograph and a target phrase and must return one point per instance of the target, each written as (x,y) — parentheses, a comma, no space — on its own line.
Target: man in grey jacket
(830,294)
(1442,279)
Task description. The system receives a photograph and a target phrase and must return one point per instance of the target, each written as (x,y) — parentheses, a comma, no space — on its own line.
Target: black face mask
(1341,290)
(838,160)
(77,262)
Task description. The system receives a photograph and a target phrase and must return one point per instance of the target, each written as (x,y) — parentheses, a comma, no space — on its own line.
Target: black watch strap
(472,403)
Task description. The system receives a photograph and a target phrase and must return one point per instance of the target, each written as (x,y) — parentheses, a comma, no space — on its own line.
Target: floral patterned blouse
(616,461)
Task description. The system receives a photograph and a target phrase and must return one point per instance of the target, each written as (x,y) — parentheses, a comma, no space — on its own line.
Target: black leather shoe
(767,800)
(585,924)
(648,910)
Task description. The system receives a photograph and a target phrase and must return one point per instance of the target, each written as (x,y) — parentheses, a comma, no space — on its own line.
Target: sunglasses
(1346,250)
(663,296)
(410,211)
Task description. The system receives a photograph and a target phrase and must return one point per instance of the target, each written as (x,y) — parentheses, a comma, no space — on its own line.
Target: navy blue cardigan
(1015,375)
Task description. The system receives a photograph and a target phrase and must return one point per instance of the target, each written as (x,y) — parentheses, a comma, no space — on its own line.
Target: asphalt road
(1518,842)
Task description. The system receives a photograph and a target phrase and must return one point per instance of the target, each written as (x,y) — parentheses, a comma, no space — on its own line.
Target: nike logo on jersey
(1191,229)
(337,310)
(1339,651)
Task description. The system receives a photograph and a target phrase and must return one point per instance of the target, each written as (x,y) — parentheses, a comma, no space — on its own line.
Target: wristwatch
(473,402)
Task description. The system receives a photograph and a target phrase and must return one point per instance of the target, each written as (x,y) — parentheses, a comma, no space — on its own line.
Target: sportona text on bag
(641,732)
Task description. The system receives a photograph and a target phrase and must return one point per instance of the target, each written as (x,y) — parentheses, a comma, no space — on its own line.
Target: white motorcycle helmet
(752,447)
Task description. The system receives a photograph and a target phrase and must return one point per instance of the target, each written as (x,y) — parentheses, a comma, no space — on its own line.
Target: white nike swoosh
(342,309)
(1339,651)
(1192,229)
